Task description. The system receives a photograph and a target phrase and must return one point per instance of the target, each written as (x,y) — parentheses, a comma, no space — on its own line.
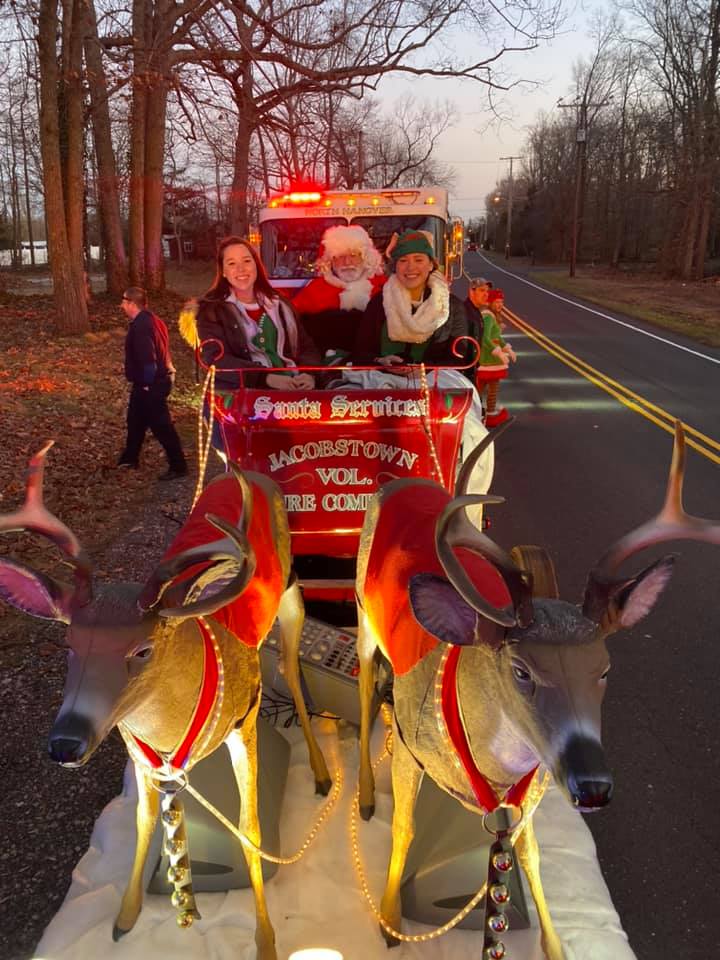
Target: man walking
(149,369)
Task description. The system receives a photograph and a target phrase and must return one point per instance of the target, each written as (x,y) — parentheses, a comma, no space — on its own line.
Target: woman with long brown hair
(255,325)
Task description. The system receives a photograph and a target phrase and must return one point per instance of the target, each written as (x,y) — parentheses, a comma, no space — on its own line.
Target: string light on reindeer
(316,953)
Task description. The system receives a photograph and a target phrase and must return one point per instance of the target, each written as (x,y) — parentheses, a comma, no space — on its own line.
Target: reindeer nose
(589,782)
(70,740)
(590,794)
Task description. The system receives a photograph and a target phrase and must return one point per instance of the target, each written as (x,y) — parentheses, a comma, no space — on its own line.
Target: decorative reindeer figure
(174,663)
(492,678)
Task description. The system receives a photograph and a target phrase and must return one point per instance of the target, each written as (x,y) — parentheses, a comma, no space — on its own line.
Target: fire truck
(291,227)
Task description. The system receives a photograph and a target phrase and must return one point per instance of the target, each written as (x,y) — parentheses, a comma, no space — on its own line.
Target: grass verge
(692,309)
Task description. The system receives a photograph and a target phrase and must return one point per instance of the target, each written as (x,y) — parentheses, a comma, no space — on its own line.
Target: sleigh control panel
(330,666)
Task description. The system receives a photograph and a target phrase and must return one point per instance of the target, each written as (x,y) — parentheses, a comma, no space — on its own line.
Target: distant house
(199,244)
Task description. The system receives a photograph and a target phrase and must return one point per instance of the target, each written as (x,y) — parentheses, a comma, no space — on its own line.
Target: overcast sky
(474,148)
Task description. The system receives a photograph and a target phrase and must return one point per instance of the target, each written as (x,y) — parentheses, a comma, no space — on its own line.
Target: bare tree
(272,56)
(116,268)
(681,38)
(65,260)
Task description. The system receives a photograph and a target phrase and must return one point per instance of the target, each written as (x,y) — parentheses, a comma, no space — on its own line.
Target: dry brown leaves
(73,391)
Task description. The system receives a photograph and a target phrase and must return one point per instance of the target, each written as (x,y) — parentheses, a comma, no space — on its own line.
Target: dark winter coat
(221,320)
(147,351)
(439,351)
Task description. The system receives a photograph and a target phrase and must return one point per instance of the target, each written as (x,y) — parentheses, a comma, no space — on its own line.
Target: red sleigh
(330,450)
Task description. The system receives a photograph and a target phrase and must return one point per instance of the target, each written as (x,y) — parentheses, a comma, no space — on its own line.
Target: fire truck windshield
(381,229)
(290,245)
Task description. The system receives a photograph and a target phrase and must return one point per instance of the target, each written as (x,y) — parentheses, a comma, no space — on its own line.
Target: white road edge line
(605,316)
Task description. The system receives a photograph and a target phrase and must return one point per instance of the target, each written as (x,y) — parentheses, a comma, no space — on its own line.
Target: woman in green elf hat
(256,326)
(414,318)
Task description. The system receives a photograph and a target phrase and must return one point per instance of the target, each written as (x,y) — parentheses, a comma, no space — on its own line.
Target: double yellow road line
(694,438)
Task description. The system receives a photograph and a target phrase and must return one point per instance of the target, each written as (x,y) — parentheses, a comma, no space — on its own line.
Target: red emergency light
(298,198)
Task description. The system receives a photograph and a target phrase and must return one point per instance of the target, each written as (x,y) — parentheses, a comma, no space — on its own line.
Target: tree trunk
(703,229)
(72,315)
(247,123)
(75,140)
(241,170)
(689,233)
(264,164)
(155,117)
(136,218)
(116,272)
(17,257)
(28,208)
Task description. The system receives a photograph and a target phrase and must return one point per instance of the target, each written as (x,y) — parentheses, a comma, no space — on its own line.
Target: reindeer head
(549,658)
(118,635)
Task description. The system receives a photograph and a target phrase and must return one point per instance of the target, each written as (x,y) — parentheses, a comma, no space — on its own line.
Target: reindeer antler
(671,523)
(453,529)
(230,556)
(34,517)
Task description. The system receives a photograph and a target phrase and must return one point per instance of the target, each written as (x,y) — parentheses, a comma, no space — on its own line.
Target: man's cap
(412,241)
(479,282)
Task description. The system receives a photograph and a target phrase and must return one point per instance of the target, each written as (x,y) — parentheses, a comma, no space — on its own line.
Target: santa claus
(331,305)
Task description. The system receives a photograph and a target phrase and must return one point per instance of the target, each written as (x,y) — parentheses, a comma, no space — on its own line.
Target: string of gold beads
(204,443)
(426,426)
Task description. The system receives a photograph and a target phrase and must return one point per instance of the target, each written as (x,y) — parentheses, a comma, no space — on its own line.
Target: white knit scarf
(403,325)
(354,295)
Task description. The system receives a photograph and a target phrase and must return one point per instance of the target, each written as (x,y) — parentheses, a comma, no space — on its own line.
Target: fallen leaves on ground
(72,390)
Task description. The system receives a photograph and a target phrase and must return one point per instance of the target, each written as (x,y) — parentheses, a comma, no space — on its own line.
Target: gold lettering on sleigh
(345,448)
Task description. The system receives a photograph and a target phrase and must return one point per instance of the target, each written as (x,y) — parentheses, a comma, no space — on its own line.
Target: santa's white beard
(356,296)
(348,274)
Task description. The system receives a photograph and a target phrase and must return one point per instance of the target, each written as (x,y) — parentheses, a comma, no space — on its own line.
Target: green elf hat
(412,241)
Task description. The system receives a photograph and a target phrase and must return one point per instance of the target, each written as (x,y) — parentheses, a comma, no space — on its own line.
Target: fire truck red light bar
(302,197)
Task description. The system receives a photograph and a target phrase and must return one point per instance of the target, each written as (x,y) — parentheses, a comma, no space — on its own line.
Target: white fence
(41,255)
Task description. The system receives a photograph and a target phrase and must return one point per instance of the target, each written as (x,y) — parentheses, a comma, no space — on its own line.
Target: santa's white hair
(344,239)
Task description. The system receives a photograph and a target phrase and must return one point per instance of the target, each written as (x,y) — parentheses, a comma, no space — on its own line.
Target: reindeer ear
(34,592)
(636,597)
(440,609)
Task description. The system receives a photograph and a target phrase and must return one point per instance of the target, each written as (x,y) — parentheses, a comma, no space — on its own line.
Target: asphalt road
(579,469)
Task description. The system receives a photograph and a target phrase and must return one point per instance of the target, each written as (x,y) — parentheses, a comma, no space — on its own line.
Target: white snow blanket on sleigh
(317,902)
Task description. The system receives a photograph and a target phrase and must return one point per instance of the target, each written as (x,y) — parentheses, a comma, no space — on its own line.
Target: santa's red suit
(330,308)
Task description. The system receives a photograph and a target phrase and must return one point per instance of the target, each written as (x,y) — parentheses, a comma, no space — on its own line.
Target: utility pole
(581,107)
(510,206)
